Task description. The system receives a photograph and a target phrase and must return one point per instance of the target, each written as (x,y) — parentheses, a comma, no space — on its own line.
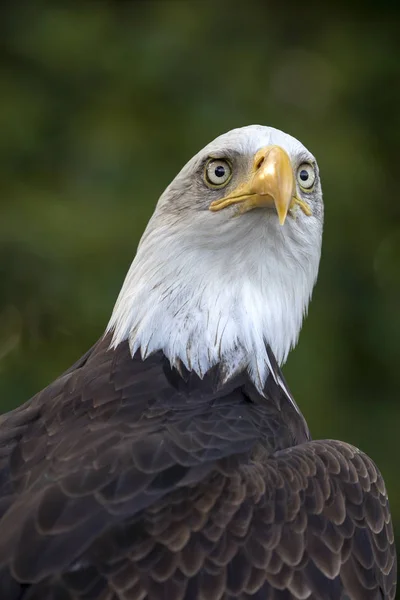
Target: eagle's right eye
(217,172)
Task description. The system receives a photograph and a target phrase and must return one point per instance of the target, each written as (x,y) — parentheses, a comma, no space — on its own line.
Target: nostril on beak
(260,162)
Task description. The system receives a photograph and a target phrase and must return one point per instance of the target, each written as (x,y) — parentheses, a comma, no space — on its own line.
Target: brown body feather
(125,480)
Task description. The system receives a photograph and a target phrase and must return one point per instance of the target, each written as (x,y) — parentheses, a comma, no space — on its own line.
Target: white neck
(219,301)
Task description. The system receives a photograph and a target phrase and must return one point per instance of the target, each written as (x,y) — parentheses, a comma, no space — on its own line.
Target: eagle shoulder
(125,479)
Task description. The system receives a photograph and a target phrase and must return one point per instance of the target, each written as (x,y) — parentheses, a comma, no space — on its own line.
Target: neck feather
(205,304)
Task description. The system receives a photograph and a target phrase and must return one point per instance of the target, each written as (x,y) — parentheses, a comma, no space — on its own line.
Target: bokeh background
(100,106)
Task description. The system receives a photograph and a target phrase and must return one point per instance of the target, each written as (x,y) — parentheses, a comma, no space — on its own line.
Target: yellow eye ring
(217,172)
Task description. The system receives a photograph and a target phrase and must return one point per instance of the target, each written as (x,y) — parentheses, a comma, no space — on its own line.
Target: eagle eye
(306,176)
(217,172)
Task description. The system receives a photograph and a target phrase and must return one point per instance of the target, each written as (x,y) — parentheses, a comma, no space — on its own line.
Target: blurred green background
(100,106)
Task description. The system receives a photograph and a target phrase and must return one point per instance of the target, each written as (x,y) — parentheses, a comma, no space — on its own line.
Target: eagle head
(227,264)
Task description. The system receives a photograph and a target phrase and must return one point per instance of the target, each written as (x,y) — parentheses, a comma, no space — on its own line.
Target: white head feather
(206,288)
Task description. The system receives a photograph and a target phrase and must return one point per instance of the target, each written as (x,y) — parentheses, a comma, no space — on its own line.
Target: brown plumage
(123,480)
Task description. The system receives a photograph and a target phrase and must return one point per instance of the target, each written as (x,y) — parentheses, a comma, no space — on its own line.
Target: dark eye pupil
(304,175)
(219,171)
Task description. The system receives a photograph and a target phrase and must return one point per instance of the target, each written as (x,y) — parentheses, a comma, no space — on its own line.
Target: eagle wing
(121,481)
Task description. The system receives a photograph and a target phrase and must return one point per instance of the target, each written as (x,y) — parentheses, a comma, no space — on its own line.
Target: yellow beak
(272,184)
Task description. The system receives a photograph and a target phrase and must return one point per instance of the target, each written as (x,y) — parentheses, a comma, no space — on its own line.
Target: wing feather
(117,485)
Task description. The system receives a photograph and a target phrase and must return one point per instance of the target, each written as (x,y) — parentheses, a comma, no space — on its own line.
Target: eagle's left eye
(217,172)
(306,176)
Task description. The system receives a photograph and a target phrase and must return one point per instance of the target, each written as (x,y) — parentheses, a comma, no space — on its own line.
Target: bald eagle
(171,462)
